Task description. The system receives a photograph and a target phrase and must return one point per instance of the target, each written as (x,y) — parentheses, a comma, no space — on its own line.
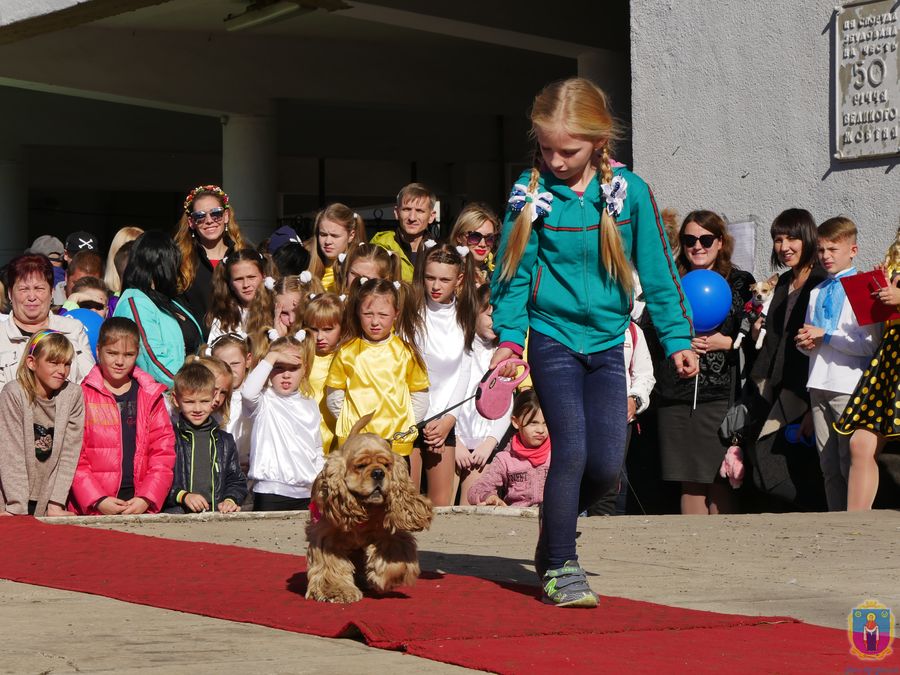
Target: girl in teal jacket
(573,230)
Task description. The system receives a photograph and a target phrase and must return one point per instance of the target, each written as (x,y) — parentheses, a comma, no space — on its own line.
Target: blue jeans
(585,403)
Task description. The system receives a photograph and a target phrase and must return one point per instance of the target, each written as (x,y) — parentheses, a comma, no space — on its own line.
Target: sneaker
(567,586)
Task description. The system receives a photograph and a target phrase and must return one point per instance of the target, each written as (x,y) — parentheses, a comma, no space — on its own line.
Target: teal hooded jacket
(561,288)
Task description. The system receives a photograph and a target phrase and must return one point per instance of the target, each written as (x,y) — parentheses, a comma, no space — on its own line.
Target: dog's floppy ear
(360,424)
(336,503)
(406,510)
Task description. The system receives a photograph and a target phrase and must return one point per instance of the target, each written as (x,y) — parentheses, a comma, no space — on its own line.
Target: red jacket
(99,471)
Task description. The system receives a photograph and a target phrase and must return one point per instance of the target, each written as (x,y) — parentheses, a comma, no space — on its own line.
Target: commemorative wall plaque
(867,80)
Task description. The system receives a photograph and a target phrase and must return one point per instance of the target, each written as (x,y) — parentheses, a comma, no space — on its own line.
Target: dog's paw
(343,595)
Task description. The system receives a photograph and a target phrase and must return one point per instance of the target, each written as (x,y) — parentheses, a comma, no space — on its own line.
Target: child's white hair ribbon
(390,253)
(269,282)
(521,196)
(208,350)
(273,334)
(342,297)
(615,192)
(397,285)
(342,257)
(430,243)
(311,296)
(363,280)
(305,277)
(463,251)
(300,335)
(355,216)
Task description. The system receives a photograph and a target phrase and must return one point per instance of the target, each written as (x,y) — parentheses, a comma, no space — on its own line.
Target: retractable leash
(492,396)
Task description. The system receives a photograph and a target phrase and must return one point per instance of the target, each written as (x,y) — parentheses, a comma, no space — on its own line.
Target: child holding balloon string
(690,411)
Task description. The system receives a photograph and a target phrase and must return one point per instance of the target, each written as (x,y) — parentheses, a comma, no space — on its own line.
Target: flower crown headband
(214,190)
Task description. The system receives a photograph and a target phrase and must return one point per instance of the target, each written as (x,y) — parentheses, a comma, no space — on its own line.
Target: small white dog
(757,306)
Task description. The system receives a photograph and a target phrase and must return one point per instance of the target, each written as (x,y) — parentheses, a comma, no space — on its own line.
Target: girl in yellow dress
(338,228)
(378,370)
(323,319)
(873,415)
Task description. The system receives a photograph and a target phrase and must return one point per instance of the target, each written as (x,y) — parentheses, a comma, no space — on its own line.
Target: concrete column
(249,172)
(13,204)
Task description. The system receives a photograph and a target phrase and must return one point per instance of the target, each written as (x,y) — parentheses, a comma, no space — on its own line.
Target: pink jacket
(515,480)
(99,471)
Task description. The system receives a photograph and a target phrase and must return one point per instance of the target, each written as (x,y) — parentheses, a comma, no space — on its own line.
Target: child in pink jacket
(128,453)
(516,475)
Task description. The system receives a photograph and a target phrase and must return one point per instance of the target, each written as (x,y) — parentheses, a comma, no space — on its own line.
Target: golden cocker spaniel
(363,511)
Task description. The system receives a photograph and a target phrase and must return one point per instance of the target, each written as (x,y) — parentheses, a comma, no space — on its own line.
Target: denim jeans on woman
(584,401)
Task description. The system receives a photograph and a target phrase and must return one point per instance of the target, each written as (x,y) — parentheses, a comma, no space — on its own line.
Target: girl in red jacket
(129,446)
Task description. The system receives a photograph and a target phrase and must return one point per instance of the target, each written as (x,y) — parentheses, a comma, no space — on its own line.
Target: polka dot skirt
(875,405)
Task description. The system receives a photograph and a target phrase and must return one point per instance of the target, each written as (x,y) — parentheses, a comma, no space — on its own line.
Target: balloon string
(696,388)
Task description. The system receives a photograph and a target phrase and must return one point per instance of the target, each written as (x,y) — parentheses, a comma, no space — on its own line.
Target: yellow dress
(328,278)
(317,375)
(377,377)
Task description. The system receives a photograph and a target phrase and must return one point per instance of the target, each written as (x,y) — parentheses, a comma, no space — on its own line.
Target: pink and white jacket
(516,481)
(99,470)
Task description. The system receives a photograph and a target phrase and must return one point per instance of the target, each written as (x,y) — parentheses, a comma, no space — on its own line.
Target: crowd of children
(225,372)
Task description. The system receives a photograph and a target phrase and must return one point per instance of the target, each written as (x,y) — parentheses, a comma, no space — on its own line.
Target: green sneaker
(567,586)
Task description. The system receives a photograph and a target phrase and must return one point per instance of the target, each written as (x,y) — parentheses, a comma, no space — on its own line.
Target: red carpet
(456,619)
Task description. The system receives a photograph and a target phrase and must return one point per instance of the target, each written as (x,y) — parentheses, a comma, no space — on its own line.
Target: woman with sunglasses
(207,232)
(476,227)
(690,449)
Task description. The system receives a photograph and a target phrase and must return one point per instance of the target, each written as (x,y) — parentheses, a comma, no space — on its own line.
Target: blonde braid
(521,232)
(611,252)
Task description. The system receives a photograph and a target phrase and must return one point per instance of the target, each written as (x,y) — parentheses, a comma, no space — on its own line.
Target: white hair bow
(342,257)
(269,282)
(363,280)
(342,297)
(397,285)
(355,216)
(208,350)
(273,334)
(615,192)
(300,335)
(311,296)
(305,277)
(390,253)
(463,251)
(430,243)
(521,196)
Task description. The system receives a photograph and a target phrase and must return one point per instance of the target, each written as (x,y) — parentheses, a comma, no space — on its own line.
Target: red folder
(859,289)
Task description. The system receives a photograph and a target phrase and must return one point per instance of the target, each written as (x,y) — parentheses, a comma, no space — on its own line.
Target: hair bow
(430,243)
(342,297)
(224,259)
(390,253)
(300,335)
(521,196)
(311,296)
(273,334)
(269,282)
(342,257)
(615,192)
(305,277)
(363,280)
(397,285)
(355,216)
(463,251)
(208,351)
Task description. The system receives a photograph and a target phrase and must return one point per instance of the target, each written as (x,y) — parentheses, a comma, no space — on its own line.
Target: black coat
(229,480)
(788,472)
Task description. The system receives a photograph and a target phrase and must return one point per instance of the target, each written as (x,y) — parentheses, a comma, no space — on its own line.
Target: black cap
(81,241)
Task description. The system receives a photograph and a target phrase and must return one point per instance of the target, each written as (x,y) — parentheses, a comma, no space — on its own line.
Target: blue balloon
(92,322)
(710,298)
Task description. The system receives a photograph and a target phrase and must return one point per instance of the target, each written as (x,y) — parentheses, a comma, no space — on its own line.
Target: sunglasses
(91,304)
(216,214)
(474,238)
(706,240)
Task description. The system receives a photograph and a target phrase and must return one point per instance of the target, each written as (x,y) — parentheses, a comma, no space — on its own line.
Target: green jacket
(388,240)
(561,288)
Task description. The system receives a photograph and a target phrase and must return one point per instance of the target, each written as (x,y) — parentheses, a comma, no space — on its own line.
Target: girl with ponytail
(575,226)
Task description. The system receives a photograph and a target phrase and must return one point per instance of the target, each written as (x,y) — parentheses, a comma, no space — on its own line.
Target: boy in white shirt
(839,350)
